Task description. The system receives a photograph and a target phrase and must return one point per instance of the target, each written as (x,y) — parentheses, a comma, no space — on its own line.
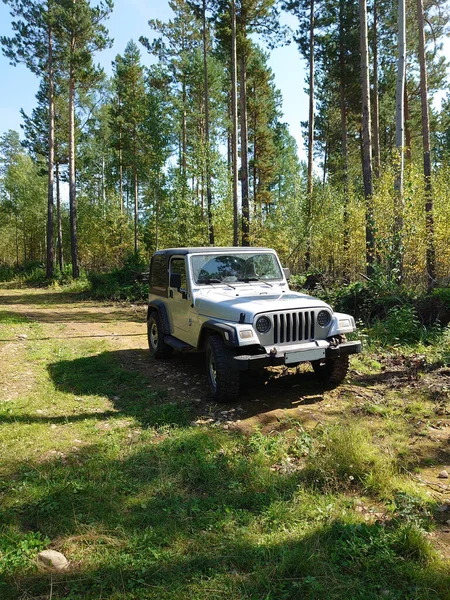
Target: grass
(103,465)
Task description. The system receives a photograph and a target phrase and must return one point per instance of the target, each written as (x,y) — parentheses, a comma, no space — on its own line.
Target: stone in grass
(50,559)
(443,474)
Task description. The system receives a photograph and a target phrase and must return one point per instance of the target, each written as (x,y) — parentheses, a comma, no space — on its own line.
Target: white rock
(443,474)
(52,560)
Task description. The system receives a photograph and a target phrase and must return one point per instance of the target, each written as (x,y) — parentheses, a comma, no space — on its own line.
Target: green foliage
(412,509)
(7,273)
(400,326)
(345,457)
(18,550)
(125,283)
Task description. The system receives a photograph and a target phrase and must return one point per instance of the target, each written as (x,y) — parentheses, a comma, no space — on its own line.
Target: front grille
(293,326)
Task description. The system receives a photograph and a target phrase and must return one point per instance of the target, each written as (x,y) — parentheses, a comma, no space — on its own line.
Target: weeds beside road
(150,491)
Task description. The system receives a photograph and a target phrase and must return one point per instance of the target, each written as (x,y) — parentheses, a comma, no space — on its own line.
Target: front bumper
(246,362)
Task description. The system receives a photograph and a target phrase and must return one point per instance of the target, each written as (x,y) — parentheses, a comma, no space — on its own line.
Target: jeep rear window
(218,268)
(158,274)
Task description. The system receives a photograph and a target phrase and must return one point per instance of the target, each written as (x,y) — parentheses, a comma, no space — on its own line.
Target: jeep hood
(228,304)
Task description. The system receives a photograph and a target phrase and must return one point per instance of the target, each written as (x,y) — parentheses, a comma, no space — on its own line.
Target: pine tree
(33,44)
(430,249)
(130,93)
(80,32)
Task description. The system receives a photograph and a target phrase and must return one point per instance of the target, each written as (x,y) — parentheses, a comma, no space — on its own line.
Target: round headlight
(323,318)
(263,324)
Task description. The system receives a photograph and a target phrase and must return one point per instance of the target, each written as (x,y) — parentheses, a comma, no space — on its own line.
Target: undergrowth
(103,464)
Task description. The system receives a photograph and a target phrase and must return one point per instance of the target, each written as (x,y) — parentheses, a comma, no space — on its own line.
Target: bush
(401,325)
(435,308)
(127,283)
(7,273)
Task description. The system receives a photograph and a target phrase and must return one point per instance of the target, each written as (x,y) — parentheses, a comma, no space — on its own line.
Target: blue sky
(129,21)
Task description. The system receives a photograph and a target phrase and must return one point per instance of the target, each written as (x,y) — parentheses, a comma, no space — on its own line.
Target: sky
(129,20)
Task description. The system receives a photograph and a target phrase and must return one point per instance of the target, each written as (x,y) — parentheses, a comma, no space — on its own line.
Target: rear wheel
(331,370)
(155,333)
(223,377)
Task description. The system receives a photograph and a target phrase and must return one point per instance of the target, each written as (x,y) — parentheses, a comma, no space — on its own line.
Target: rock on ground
(52,560)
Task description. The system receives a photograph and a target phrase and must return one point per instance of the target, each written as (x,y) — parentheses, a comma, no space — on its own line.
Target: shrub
(7,273)
(401,325)
(126,283)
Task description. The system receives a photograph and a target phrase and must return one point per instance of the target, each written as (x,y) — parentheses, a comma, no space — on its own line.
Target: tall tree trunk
(325,161)
(17,241)
(59,219)
(51,155)
(136,197)
(234,118)
(400,141)
(72,186)
(366,138)
(244,150)
(207,148)
(429,219)
(183,121)
(344,136)
(309,193)
(376,100)
(407,124)
(183,130)
(157,216)
(120,173)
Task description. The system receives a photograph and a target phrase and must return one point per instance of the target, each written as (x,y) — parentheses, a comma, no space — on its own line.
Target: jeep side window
(178,265)
(158,275)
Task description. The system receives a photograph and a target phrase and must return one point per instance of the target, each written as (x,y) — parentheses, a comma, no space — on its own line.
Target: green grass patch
(103,465)
(12,318)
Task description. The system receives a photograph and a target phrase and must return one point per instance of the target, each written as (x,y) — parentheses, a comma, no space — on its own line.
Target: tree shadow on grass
(94,316)
(129,378)
(189,515)
(130,392)
(44,298)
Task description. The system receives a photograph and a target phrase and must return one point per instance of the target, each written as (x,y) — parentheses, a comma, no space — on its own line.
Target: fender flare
(159,307)
(227,332)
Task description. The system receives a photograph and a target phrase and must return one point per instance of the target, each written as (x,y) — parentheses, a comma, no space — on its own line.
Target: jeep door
(179,300)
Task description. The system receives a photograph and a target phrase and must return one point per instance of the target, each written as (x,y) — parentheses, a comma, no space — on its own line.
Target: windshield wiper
(210,280)
(256,279)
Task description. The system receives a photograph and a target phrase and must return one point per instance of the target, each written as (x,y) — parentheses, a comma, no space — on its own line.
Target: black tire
(223,377)
(331,370)
(155,333)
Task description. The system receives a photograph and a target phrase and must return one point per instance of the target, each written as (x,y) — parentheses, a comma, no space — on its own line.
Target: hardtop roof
(211,250)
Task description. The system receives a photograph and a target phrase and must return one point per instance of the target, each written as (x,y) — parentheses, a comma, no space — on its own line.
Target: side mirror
(175,280)
(287,273)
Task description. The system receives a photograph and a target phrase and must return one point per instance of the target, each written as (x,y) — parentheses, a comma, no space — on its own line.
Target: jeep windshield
(240,267)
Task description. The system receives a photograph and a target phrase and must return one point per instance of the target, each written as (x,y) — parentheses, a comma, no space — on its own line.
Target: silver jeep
(235,304)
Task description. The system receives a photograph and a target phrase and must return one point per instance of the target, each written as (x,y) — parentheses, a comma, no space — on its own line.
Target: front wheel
(331,370)
(223,377)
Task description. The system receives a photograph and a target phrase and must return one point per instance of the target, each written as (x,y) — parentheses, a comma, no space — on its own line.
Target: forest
(194,150)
